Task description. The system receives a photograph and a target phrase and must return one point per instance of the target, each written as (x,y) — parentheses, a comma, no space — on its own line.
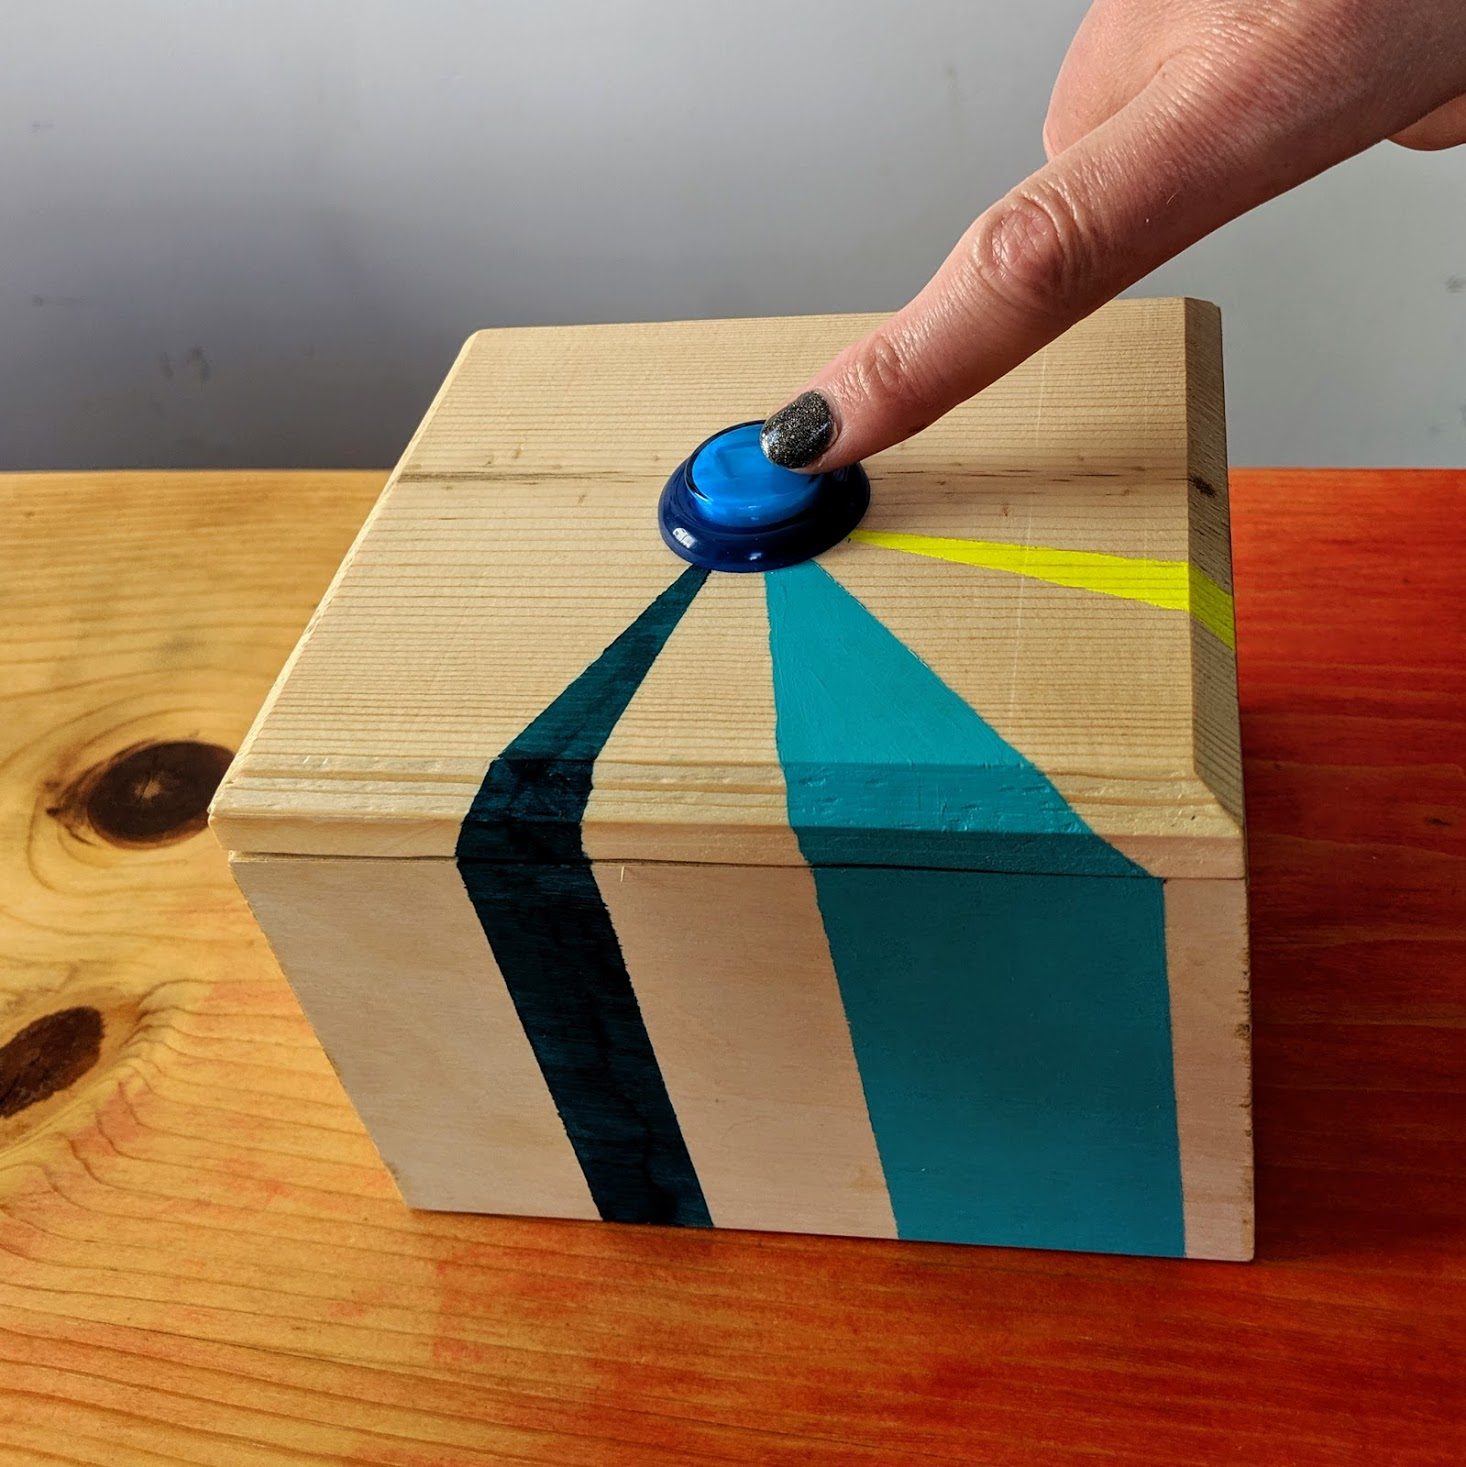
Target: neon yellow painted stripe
(1175,585)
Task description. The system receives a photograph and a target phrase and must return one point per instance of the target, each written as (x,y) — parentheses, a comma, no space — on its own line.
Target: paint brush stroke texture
(1013,1038)
(1172,585)
(887,766)
(526,872)
(1010,1020)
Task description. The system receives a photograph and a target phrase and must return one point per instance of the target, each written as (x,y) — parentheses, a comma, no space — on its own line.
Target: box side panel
(390,964)
(1207,964)
(954,1056)
(1218,735)
(733,974)
(1209,541)
(1218,758)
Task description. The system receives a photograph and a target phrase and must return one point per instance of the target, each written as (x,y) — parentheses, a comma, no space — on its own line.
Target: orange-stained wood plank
(203,1261)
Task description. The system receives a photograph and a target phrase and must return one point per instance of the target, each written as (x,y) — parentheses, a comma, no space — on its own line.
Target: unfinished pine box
(897,894)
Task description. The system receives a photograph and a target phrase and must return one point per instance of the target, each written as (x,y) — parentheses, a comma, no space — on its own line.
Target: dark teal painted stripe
(533,798)
(887,766)
(1012,1026)
(524,866)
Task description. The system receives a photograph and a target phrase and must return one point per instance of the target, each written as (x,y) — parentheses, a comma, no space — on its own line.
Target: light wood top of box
(517,539)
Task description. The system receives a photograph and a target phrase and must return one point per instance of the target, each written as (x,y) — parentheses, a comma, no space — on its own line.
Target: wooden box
(900,893)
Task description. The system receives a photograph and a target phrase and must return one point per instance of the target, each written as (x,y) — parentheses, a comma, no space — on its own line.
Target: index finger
(1135,191)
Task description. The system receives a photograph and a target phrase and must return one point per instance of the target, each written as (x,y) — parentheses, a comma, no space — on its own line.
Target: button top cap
(734,484)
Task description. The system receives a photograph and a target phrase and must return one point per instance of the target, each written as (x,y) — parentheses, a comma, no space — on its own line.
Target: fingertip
(802,432)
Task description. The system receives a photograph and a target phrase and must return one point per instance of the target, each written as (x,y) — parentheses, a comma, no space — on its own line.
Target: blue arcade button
(726,507)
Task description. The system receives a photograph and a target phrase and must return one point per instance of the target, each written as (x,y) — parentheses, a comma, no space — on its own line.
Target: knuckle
(886,375)
(1036,250)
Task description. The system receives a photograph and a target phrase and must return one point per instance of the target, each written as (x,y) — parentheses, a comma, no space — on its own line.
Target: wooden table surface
(202,1260)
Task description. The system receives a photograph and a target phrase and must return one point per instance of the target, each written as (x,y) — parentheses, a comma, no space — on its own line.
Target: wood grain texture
(202,1260)
(1110,697)
(517,539)
(396,703)
(1213,665)
(1211,1034)
(390,964)
(732,970)
(707,703)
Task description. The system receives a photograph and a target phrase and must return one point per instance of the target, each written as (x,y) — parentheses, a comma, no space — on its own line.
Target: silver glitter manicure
(800,432)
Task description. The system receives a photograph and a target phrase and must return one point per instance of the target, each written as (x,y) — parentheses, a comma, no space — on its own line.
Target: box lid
(1022,660)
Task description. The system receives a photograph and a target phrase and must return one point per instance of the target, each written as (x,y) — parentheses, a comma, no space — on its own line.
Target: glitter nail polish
(800,432)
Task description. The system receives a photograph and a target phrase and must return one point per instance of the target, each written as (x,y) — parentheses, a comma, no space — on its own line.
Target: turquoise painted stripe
(887,766)
(1013,1037)
(1011,1022)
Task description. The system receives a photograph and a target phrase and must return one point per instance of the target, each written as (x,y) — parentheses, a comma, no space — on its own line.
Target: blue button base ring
(840,499)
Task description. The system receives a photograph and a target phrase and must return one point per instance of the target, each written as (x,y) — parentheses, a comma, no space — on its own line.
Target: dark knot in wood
(152,794)
(47,1056)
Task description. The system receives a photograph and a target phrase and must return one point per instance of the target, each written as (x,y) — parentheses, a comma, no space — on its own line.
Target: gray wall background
(254,234)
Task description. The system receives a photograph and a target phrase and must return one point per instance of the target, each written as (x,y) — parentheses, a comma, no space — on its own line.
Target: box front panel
(1005,1040)
(994,1045)
(954,1056)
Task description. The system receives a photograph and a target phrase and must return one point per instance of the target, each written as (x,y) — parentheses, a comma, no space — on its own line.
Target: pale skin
(1169,118)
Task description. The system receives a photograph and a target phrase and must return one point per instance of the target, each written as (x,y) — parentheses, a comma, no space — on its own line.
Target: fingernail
(799,433)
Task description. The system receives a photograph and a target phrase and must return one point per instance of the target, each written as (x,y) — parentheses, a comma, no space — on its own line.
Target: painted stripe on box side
(733,973)
(1011,1025)
(1013,1037)
(523,864)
